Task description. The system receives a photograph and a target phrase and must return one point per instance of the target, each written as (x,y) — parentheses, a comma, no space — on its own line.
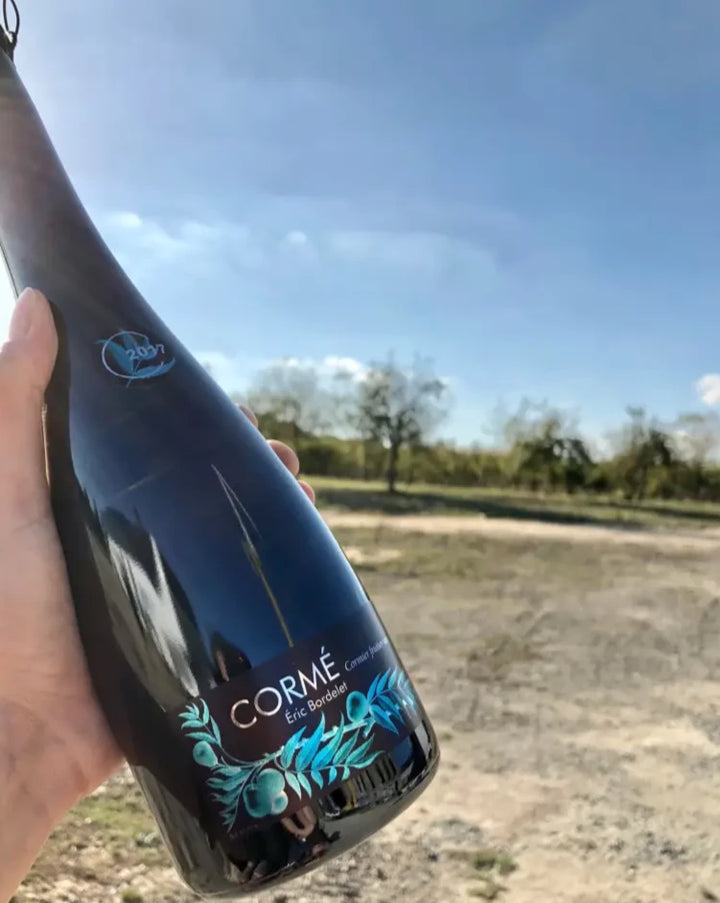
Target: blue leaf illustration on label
(133,356)
(273,740)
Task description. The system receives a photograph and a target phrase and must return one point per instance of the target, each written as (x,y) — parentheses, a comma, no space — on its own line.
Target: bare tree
(396,407)
(291,398)
(531,420)
(697,437)
(697,441)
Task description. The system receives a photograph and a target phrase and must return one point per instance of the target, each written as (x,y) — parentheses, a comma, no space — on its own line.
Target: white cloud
(432,255)
(349,365)
(232,373)
(708,388)
(236,373)
(149,236)
(395,248)
(300,247)
(181,238)
(125,219)
(429,253)
(297,238)
(330,366)
(333,365)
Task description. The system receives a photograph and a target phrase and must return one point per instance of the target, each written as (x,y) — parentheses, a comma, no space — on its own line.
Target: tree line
(380,425)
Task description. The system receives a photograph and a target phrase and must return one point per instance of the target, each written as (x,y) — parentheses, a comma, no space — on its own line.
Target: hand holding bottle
(54,744)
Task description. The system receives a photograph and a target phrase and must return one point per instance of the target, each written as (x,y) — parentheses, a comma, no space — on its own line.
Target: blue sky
(527,192)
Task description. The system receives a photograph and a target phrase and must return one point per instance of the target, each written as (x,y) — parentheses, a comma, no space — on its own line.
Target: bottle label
(267,742)
(133,356)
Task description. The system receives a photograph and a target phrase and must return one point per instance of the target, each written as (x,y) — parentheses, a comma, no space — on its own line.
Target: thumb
(26,362)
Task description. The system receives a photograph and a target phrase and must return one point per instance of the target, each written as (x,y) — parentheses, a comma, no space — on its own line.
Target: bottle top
(10,27)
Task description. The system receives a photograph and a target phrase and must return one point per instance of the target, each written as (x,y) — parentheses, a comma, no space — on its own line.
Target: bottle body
(239,661)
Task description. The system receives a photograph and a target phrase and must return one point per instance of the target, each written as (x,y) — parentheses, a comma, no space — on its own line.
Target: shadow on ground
(363,500)
(706,515)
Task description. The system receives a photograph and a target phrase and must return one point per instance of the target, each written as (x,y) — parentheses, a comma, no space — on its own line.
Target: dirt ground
(572,679)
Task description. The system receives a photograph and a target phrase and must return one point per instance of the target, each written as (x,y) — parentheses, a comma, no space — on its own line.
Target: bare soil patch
(572,674)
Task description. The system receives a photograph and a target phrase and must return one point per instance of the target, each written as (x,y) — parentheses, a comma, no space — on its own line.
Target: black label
(269,741)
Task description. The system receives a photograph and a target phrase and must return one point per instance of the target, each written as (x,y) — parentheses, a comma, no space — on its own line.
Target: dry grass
(495,560)
(371,496)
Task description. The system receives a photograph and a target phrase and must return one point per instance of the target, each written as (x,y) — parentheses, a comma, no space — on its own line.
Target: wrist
(38,785)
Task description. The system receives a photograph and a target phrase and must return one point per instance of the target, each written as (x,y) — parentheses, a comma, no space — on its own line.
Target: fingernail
(24,315)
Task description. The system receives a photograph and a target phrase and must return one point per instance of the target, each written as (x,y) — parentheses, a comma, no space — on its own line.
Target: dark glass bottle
(239,661)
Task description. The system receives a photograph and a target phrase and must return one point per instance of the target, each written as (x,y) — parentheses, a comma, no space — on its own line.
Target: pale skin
(55,747)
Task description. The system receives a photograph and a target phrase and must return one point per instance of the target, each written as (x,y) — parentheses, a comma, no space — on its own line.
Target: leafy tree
(545,451)
(646,459)
(378,424)
(398,408)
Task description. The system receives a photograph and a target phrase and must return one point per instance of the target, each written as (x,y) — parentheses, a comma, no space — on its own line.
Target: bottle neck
(46,237)
(38,207)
